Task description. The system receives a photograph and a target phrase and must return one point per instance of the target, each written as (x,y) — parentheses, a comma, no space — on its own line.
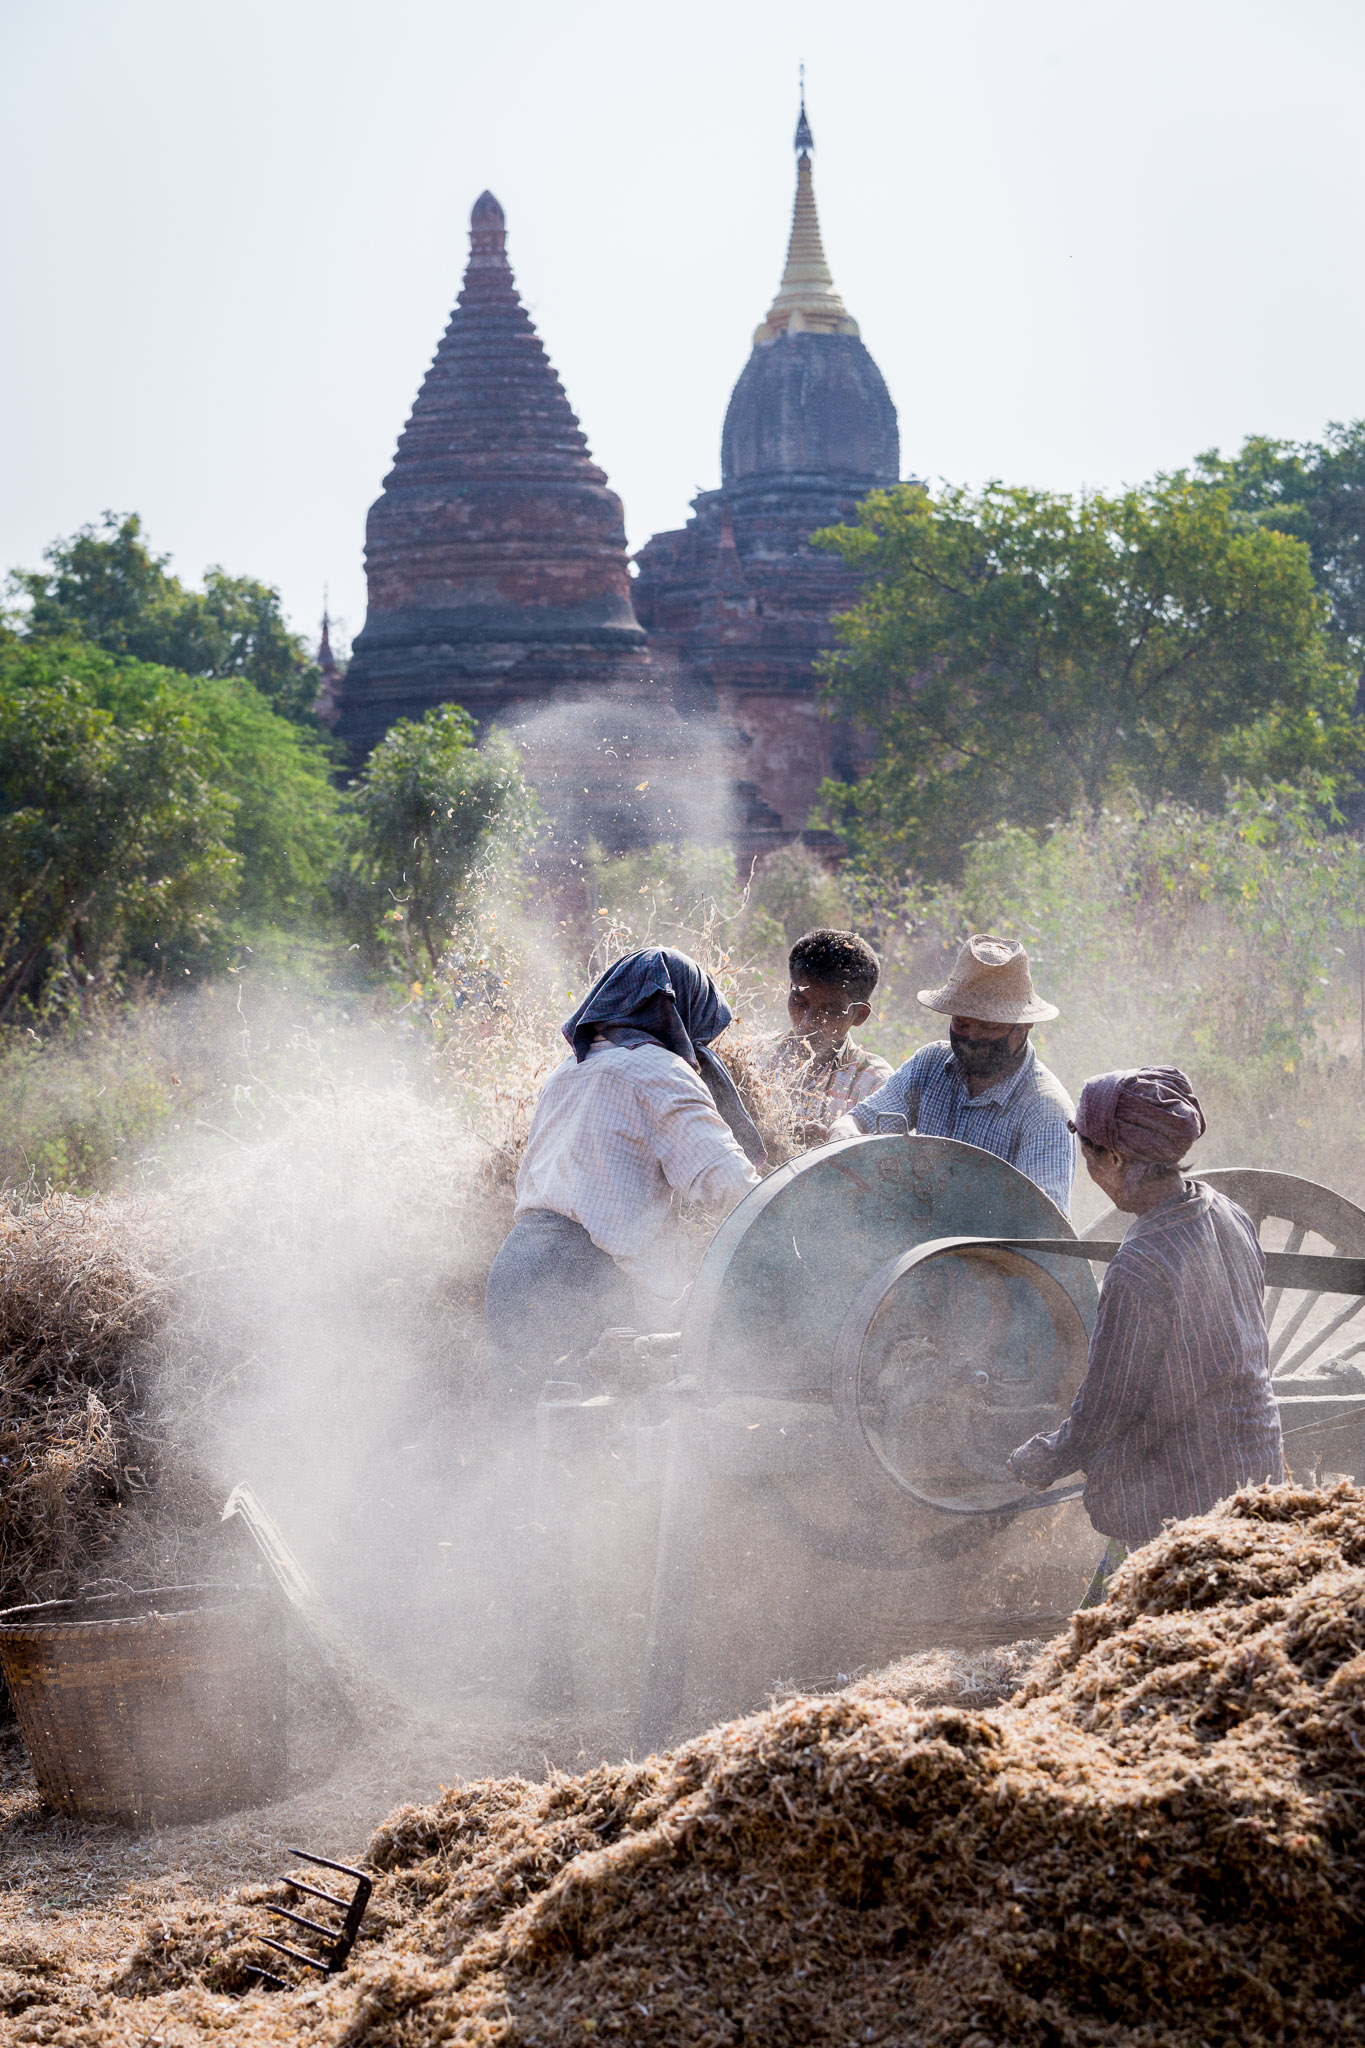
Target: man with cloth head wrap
(1175,1410)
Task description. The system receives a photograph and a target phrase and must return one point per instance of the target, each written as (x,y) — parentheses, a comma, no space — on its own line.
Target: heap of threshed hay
(81,1458)
(1158,1841)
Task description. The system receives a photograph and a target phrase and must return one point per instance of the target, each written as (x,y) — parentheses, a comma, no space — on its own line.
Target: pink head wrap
(1151,1114)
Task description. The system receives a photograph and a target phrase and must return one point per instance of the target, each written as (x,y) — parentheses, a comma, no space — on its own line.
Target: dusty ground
(76,1899)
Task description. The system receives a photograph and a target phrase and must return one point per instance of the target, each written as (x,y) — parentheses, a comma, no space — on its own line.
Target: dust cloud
(333,1221)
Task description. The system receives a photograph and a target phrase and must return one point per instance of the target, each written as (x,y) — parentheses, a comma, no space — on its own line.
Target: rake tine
(340,1940)
(296,1954)
(295,1885)
(259,1970)
(327,1933)
(307,1856)
(355,1912)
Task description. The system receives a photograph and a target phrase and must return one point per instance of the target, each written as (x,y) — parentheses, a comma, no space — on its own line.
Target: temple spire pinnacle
(806,300)
(326,659)
(804,141)
(326,705)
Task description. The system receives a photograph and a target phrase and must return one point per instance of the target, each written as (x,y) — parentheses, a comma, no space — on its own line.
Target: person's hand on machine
(1029,1464)
(811,1133)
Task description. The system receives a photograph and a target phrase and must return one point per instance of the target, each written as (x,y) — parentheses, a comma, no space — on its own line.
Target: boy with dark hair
(833,975)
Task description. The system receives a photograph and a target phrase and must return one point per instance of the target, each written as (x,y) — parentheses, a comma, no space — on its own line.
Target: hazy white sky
(1083,238)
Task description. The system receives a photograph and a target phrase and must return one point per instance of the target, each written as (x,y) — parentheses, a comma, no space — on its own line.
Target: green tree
(285,806)
(1016,653)
(430,812)
(281,816)
(113,840)
(1314,490)
(103,584)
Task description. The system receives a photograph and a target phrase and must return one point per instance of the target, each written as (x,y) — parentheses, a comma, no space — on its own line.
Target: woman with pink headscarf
(1176,1409)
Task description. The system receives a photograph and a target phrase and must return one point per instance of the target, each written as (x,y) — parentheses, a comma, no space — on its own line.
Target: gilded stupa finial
(806,301)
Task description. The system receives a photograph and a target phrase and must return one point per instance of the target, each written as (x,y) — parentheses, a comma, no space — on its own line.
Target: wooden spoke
(1293,1243)
(1288,1212)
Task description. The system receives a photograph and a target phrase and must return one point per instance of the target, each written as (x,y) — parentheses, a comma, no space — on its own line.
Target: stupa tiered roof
(496,554)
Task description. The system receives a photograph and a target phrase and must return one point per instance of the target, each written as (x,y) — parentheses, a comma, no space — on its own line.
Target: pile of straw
(79,1304)
(1158,1842)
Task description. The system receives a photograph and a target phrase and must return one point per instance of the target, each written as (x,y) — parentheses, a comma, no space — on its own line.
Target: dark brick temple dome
(811,405)
(738,605)
(810,401)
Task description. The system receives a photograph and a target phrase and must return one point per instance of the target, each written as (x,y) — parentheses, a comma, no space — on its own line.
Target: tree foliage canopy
(285,807)
(113,839)
(429,812)
(154,802)
(140,809)
(1314,490)
(1016,653)
(104,585)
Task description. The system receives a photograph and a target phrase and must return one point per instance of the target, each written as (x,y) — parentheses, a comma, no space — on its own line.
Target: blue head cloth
(659,997)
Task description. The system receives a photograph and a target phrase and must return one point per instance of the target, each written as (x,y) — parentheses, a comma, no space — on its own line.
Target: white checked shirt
(614,1138)
(1022,1118)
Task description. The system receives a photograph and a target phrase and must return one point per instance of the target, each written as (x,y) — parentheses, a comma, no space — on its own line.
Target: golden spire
(806,301)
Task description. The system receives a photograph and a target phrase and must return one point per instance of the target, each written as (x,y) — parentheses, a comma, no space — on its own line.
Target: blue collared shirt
(1022,1118)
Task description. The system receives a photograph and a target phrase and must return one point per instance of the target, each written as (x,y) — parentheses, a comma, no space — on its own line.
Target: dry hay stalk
(78,1302)
(769,1095)
(1158,1842)
(75,1290)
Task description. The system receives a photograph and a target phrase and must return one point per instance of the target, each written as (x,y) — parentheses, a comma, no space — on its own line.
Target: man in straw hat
(1176,1409)
(984,1084)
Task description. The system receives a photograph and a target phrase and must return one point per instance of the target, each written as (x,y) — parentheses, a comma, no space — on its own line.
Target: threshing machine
(819,1473)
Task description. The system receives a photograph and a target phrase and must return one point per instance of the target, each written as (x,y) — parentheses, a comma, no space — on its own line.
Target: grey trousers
(550,1294)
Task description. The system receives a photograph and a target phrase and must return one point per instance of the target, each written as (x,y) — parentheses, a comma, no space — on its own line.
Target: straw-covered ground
(1158,1842)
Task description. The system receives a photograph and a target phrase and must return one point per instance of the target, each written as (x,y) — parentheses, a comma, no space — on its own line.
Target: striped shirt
(1022,1118)
(615,1137)
(1175,1411)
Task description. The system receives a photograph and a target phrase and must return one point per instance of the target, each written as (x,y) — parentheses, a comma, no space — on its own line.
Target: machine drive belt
(1319,1275)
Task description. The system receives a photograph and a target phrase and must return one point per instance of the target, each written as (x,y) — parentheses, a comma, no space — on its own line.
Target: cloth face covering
(985,1057)
(659,997)
(1151,1114)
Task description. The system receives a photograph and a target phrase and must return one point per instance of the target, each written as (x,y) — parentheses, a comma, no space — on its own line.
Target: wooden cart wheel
(1311,1334)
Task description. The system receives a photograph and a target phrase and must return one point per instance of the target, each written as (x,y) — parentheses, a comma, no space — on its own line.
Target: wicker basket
(150,1707)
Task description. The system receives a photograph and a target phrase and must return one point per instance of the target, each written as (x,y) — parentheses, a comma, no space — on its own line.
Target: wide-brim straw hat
(991,982)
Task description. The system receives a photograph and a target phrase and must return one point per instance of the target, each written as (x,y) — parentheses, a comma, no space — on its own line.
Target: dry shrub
(1158,1842)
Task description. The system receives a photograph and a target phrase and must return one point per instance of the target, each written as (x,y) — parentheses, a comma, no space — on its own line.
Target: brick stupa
(497,571)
